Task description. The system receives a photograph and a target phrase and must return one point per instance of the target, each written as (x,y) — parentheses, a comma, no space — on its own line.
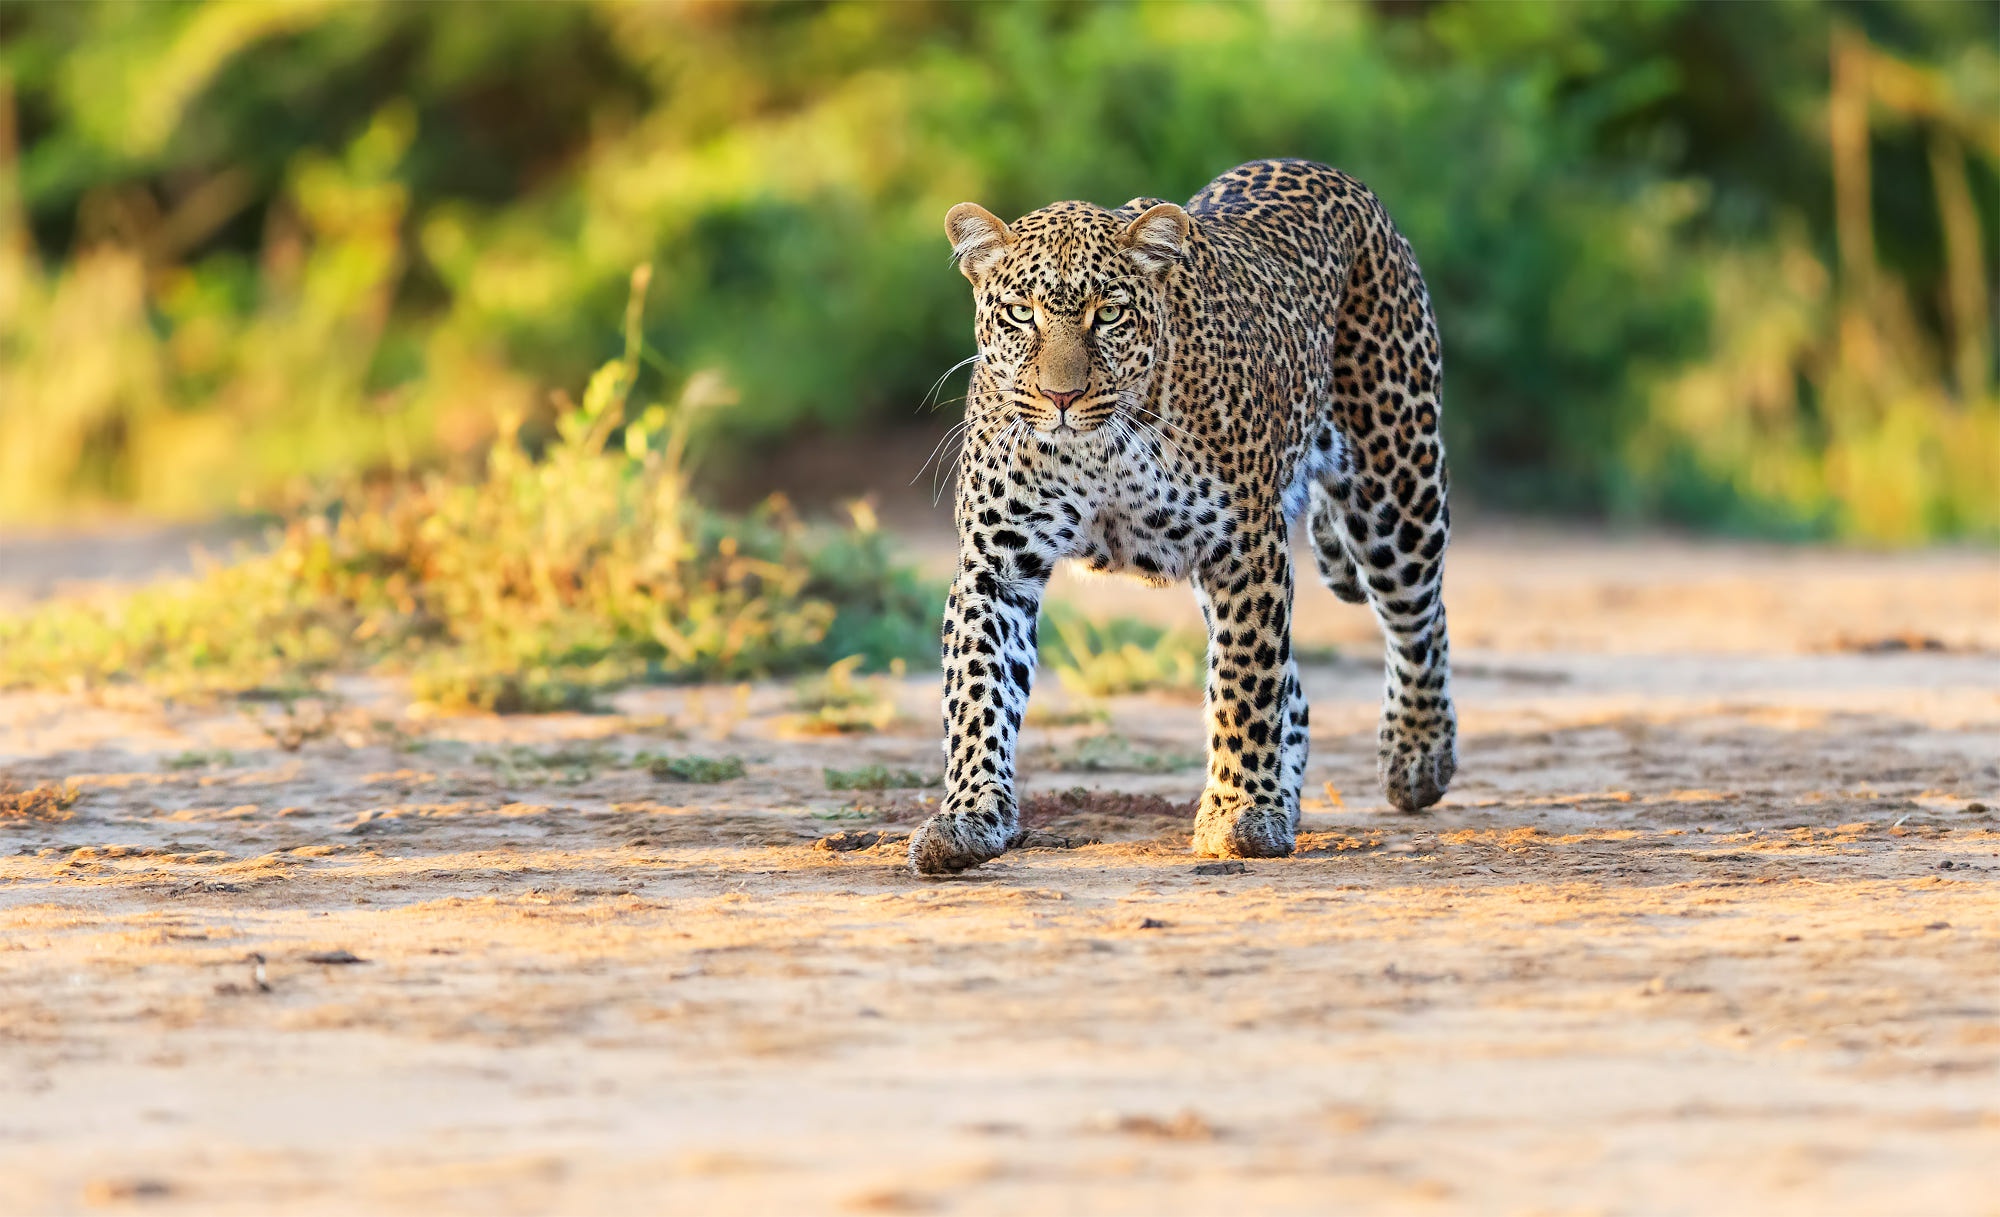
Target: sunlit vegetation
(878,777)
(1119,655)
(1110,752)
(47,804)
(1728,265)
(533,586)
(576,764)
(1723,264)
(523,766)
(843,701)
(697,769)
(1042,714)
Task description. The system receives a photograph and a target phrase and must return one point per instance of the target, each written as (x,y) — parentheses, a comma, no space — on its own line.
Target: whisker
(972,441)
(1117,437)
(947,473)
(1155,428)
(1014,438)
(952,401)
(937,384)
(954,429)
(969,420)
(973,396)
(1161,442)
(1140,441)
(1157,419)
(1179,454)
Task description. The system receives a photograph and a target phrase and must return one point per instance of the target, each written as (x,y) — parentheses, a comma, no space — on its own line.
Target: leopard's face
(1071,309)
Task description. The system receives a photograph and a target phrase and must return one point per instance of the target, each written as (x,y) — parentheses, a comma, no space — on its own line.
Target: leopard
(1166,391)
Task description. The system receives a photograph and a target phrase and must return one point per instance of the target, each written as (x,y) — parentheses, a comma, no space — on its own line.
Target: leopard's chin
(1061,433)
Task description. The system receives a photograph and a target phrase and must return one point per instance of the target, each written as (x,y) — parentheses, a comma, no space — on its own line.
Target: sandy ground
(1710,923)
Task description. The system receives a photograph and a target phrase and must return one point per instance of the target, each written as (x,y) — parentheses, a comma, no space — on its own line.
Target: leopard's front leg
(1256,755)
(989,665)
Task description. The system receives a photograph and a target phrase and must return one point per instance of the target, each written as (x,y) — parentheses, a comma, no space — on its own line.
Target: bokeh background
(1727,266)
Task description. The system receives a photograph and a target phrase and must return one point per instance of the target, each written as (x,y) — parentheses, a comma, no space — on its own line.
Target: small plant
(842,702)
(578,757)
(848,814)
(1067,716)
(48,804)
(700,769)
(878,777)
(1122,655)
(300,722)
(198,759)
(1113,753)
(656,726)
(525,766)
(400,736)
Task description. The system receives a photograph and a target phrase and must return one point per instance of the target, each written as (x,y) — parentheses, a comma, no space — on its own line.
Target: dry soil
(1710,923)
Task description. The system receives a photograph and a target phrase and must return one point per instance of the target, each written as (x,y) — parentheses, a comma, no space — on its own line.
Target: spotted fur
(1162,392)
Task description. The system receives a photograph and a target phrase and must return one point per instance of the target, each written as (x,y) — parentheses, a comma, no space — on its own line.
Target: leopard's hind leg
(1296,747)
(1336,565)
(1393,521)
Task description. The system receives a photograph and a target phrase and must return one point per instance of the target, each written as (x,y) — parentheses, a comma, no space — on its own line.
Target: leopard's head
(1071,307)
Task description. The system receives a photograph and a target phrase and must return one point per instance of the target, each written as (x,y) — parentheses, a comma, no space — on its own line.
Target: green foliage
(878,777)
(840,701)
(1121,655)
(528,588)
(570,766)
(1809,422)
(1113,753)
(701,769)
(1043,715)
(251,248)
(1313,654)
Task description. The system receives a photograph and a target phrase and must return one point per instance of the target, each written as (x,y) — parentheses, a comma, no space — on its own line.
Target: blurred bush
(530,587)
(1119,655)
(1722,264)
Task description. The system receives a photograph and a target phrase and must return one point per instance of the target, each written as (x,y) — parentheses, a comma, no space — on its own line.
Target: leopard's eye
(1021,314)
(1110,314)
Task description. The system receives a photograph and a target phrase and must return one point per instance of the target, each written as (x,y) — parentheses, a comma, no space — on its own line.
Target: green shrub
(877,777)
(1113,753)
(570,766)
(840,701)
(699,769)
(529,588)
(252,245)
(1121,655)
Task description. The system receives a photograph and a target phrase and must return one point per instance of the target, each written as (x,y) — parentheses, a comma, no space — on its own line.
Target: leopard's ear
(978,238)
(1158,238)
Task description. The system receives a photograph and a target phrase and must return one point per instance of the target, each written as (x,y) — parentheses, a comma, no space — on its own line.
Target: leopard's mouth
(1061,433)
(1074,422)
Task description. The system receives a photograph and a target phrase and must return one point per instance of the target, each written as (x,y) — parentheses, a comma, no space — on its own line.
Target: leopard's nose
(1061,401)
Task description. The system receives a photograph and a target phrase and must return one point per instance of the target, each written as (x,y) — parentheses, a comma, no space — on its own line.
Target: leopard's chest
(1159,534)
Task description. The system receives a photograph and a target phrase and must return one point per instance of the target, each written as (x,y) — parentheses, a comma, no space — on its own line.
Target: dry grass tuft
(46,804)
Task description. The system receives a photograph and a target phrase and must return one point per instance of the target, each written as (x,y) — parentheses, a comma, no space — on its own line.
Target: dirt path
(1710,924)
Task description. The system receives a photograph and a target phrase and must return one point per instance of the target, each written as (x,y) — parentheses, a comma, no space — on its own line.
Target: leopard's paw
(1416,761)
(955,840)
(1239,828)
